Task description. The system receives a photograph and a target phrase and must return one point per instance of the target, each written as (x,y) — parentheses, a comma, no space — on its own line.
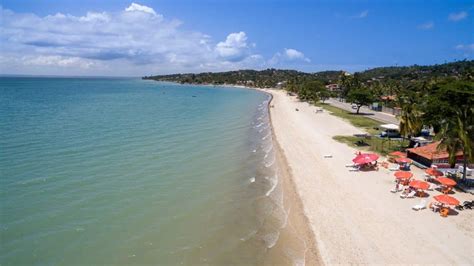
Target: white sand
(353,215)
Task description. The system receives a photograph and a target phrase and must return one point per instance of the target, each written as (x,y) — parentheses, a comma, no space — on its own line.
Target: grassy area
(360,121)
(378,145)
(374,144)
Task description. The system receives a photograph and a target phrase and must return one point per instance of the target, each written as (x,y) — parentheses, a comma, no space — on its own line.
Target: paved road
(379,116)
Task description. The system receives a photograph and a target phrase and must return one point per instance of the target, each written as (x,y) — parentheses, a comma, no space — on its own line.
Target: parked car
(390,133)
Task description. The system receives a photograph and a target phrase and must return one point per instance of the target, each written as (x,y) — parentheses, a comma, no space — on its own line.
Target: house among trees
(333,87)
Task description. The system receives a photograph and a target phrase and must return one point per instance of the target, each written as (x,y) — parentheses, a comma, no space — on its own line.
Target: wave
(271,239)
(274,185)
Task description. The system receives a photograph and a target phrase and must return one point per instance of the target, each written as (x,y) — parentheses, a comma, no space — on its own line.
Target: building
(429,155)
(333,87)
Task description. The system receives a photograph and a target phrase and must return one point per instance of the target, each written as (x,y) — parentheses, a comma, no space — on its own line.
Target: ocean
(130,171)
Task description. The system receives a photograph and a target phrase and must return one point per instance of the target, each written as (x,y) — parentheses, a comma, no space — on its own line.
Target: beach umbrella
(402,160)
(364,158)
(445,199)
(403,175)
(446,181)
(398,154)
(418,184)
(433,172)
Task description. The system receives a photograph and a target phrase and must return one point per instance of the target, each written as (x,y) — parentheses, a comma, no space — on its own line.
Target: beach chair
(420,206)
(399,187)
(411,194)
(395,168)
(446,190)
(432,187)
(444,212)
(434,207)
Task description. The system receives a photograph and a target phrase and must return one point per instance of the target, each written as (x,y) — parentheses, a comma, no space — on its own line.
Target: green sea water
(109,171)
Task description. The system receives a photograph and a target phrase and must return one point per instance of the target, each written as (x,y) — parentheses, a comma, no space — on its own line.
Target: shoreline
(298,223)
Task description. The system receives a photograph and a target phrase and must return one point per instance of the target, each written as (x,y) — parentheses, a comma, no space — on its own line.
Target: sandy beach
(353,217)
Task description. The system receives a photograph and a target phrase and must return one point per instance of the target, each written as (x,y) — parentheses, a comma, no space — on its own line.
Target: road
(379,116)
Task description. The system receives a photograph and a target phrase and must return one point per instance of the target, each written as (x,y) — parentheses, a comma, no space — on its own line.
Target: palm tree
(410,116)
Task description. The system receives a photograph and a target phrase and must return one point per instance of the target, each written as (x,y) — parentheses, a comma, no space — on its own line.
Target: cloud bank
(135,41)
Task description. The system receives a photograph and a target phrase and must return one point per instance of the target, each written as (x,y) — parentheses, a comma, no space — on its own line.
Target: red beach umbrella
(403,160)
(446,181)
(445,199)
(433,172)
(365,158)
(398,154)
(403,175)
(418,184)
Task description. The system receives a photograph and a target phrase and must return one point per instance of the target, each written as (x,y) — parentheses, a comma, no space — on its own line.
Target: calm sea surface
(98,171)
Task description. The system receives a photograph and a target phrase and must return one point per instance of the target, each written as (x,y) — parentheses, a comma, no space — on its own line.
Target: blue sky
(135,38)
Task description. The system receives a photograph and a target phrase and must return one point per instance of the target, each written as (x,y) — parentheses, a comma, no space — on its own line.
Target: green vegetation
(363,122)
(382,146)
(268,78)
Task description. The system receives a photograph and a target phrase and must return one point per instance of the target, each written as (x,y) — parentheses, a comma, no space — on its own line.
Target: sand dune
(353,216)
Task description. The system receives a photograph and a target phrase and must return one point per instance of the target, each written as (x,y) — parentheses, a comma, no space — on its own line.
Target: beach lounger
(432,187)
(420,206)
(328,156)
(409,195)
(395,168)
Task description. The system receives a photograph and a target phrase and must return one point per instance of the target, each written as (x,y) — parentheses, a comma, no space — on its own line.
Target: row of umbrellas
(365,158)
(423,185)
(419,184)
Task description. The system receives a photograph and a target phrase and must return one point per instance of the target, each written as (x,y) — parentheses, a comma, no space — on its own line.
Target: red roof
(430,151)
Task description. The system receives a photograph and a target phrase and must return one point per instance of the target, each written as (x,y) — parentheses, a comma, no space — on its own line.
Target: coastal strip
(352,215)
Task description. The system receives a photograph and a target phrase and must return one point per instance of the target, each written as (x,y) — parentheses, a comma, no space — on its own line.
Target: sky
(145,37)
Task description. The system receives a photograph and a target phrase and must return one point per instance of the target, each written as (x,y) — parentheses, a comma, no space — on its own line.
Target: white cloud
(134,41)
(234,48)
(465,47)
(457,16)
(288,55)
(426,26)
(136,7)
(361,15)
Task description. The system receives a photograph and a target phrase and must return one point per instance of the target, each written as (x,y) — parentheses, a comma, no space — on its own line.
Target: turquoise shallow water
(98,171)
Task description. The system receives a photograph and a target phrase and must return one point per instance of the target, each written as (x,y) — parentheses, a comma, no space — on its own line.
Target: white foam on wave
(274,185)
(266,136)
(249,235)
(271,148)
(271,239)
(270,163)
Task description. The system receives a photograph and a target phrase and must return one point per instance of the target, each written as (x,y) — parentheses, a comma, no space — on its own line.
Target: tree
(309,90)
(410,118)
(450,107)
(324,94)
(360,97)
